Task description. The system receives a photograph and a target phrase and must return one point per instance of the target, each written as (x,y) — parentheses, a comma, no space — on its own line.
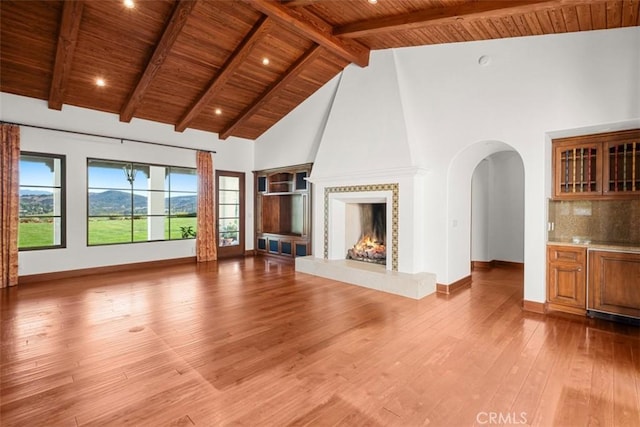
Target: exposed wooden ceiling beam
(292,72)
(313,28)
(442,16)
(171,32)
(67,39)
(225,72)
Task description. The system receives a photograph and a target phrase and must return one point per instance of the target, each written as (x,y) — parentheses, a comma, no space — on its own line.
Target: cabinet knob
(579,268)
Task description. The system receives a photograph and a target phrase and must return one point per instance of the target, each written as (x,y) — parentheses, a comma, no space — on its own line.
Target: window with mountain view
(42,196)
(134,202)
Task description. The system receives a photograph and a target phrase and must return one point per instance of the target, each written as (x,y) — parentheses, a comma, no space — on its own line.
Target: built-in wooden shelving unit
(283,211)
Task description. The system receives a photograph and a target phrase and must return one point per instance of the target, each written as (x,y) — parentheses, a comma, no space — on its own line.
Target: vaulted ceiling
(201,64)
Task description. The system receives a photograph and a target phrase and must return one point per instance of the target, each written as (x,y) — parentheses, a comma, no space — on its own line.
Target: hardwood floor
(252,342)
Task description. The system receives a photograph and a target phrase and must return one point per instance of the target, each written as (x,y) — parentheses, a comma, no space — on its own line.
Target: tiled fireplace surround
(333,204)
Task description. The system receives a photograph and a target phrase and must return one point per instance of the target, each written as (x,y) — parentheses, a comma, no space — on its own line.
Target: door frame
(236,250)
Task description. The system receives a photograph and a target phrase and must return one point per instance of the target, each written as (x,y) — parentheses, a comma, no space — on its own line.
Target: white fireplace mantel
(381,175)
(402,191)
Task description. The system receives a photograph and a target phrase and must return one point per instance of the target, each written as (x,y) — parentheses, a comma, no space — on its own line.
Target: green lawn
(35,234)
(103,231)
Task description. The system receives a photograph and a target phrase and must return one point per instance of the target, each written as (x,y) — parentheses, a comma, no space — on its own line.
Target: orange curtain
(10,161)
(206,247)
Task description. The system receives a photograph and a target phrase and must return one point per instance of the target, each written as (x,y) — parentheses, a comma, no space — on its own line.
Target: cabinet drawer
(567,254)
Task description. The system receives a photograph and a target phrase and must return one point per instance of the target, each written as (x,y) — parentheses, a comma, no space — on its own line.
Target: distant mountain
(25,192)
(182,204)
(114,202)
(110,203)
(35,203)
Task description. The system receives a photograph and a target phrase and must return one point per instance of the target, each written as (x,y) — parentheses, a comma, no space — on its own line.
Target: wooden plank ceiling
(199,63)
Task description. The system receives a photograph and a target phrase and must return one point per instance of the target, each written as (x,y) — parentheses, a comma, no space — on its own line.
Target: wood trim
(507,264)
(171,32)
(225,72)
(481,265)
(488,265)
(294,71)
(566,309)
(314,28)
(250,252)
(534,306)
(465,282)
(67,40)
(465,12)
(33,278)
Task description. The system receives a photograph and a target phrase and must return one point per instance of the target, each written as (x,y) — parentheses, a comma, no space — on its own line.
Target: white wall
(506,214)
(480,204)
(366,130)
(234,154)
(455,112)
(297,140)
(497,208)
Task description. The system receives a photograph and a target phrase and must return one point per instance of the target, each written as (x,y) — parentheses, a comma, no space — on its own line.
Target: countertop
(595,245)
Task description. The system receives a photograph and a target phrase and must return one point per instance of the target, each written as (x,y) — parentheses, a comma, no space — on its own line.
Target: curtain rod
(105,136)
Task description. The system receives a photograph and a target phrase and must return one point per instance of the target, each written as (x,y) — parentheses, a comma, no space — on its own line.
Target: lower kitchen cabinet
(614,283)
(566,278)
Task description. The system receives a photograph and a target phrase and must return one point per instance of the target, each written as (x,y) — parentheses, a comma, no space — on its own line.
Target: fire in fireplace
(373,224)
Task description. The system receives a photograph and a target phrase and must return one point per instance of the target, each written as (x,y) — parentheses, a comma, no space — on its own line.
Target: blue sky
(33,173)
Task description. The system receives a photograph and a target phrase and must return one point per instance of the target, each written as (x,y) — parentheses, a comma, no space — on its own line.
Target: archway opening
(459,201)
(497,211)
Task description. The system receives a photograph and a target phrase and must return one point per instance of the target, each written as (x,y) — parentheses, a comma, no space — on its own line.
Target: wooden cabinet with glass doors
(600,166)
(283,211)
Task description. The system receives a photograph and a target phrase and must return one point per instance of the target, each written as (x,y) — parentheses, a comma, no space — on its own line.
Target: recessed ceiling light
(129,4)
(265,61)
(218,111)
(373,1)
(100,82)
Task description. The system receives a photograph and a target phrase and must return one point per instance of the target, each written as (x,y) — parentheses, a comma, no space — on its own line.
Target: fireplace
(367,221)
(341,204)
(346,222)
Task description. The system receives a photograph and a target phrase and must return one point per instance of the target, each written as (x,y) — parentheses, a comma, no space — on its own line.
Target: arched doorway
(497,211)
(459,179)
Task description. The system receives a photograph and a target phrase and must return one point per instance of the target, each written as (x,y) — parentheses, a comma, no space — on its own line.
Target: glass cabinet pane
(624,167)
(578,169)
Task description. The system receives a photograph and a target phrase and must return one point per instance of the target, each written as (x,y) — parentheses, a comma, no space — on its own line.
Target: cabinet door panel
(614,283)
(566,278)
(567,284)
(577,170)
(622,171)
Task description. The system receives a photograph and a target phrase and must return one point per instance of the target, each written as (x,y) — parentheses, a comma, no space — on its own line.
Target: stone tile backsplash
(605,221)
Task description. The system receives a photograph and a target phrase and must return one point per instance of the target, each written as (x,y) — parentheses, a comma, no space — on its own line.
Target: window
(134,202)
(42,201)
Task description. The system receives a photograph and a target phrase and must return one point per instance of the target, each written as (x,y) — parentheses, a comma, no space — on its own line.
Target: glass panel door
(230,207)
